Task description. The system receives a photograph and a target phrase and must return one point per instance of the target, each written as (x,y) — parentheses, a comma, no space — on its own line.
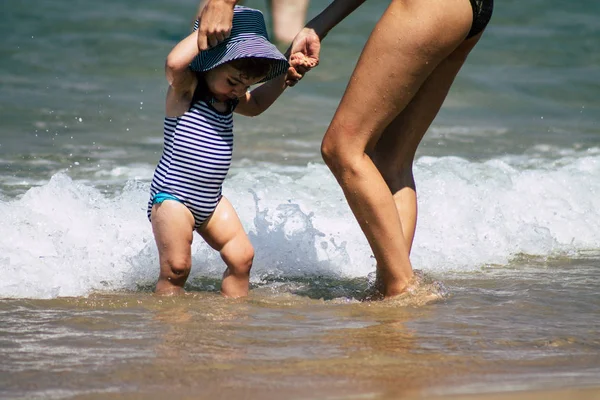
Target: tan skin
(395,92)
(172,222)
(216,17)
(173,227)
(288,17)
(397,88)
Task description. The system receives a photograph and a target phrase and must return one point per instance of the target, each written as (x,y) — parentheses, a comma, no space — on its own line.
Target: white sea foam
(66,238)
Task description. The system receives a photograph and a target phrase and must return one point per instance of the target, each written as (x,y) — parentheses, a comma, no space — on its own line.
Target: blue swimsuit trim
(162,196)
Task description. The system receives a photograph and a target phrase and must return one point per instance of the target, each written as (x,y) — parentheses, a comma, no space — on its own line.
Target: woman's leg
(224,232)
(410,40)
(288,18)
(173,226)
(394,153)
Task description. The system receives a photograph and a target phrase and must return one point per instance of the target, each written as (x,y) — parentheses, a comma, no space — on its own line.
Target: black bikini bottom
(482,13)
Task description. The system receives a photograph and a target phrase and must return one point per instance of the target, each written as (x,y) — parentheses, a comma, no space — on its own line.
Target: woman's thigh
(406,46)
(395,151)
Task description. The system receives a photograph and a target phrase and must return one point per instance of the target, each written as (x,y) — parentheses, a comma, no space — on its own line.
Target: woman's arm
(308,40)
(182,80)
(331,16)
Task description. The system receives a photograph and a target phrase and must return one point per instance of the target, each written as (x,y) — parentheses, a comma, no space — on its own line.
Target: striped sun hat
(248,38)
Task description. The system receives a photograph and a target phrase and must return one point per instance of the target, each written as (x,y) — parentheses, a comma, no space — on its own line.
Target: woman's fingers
(216,19)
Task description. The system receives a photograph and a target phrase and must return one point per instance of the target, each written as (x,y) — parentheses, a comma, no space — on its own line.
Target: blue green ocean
(508,181)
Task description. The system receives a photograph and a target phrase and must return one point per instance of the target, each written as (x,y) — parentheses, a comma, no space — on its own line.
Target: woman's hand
(303,55)
(216,18)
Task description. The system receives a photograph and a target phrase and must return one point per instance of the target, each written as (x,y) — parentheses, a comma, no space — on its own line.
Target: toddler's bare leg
(224,232)
(173,226)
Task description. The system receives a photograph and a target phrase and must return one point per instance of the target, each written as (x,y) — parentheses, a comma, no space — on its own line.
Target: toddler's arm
(180,77)
(182,80)
(258,100)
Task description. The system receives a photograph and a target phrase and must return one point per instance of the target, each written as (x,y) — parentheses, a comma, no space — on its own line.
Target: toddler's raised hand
(300,64)
(304,52)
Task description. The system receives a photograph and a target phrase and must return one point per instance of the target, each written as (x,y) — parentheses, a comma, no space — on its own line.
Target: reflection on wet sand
(275,344)
(268,343)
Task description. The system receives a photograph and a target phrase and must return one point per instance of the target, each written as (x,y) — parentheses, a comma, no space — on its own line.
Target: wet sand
(564,394)
(279,345)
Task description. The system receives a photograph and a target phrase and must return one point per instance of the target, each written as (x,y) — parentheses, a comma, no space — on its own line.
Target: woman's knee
(338,151)
(329,152)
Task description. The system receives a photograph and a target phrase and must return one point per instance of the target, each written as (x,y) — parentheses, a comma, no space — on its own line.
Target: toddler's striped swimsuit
(196,158)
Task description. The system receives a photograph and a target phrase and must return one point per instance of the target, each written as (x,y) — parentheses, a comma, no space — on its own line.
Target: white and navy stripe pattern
(248,38)
(196,158)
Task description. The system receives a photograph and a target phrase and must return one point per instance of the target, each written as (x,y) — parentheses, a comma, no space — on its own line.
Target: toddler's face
(226,82)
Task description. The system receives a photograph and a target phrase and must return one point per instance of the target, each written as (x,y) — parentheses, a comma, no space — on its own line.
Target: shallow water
(528,327)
